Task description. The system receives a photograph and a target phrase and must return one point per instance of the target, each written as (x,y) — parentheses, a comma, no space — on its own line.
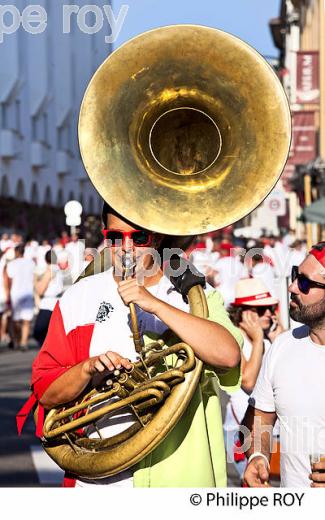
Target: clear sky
(247,19)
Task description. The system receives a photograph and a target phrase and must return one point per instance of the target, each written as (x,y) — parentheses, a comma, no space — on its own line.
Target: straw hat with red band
(252,291)
(318,251)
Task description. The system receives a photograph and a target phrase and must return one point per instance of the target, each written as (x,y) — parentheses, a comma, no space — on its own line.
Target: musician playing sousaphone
(90,332)
(170,142)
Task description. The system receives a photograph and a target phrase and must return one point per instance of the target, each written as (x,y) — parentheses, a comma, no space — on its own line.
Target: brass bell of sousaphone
(183,130)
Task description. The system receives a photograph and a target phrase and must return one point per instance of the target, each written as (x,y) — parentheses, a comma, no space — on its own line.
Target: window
(40,128)
(10,117)
(3,116)
(34,194)
(60,199)
(18,116)
(64,136)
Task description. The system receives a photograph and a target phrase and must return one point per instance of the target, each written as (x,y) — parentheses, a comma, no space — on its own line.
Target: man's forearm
(256,432)
(252,367)
(67,387)
(6,284)
(211,342)
(263,445)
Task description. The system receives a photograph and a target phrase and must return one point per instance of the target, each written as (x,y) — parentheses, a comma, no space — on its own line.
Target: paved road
(21,458)
(23,462)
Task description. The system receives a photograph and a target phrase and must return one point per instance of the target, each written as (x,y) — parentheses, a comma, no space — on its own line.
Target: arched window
(4,191)
(34,194)
(20,190)
(91,205)
(60,198)
(81,199)
(48,196)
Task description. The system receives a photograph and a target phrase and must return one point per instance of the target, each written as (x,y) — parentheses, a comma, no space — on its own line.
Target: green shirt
(193,453)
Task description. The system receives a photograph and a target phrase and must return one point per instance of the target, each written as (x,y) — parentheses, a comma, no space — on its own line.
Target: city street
(148,151)
(23,461)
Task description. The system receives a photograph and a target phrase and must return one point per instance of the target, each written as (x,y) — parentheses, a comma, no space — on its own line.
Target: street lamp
(73,212)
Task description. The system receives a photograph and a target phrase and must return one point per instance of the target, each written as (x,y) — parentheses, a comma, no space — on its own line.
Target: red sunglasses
(140,238)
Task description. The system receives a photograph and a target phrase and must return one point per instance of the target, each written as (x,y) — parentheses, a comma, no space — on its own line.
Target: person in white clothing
(204,258)
(227,270)
(298,254)
(31,248)
(6,327)
(263,270)
(40,258)
(5,242)
(254,312)
(49,289)
(3,305)
(19,278)
(291,386)
(278,254)
(289,238)
(57,246)
(75,250)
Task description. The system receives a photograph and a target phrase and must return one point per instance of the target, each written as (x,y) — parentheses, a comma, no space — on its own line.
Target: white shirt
(279,254)
(288,240)
(2,289)
(53,291)
(5,244)
(40,258)
(31,250)
(292,383)
(21,271)
(204,260)
(296,258)
(229,271)
(75,252)
(265,272)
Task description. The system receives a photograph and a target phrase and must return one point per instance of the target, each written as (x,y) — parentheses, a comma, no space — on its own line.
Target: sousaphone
(183,130)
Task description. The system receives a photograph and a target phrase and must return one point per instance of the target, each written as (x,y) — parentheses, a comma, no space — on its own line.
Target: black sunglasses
(304,283)
(261,309)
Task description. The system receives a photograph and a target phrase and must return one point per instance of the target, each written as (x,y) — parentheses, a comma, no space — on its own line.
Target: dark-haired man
(291,386)
(90,331)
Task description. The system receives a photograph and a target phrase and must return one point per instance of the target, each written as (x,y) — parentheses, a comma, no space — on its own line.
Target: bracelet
(259,454)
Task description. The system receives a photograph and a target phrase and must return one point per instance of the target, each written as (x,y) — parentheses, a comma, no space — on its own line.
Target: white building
(43,78)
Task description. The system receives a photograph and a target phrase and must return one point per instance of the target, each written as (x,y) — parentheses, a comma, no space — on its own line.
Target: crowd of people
(225,260)
(33,276)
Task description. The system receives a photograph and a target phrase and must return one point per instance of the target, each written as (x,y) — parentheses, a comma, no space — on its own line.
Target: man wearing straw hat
(291,387)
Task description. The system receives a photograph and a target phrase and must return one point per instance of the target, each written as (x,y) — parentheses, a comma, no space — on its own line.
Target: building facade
(43,78)
(299,34)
